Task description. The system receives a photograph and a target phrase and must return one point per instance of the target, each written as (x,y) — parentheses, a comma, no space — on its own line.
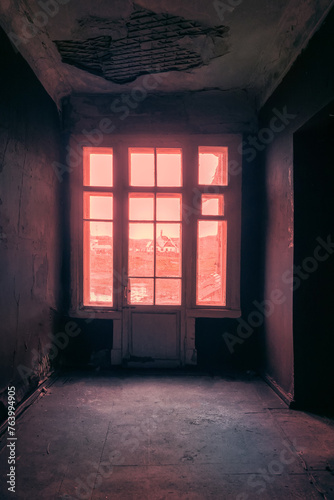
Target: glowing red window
(142,169)
(212,204)
(212,227)
(155,167)
(212,166)
(155,247)
(169,167)
(98,228)
(98,167)
(211,263)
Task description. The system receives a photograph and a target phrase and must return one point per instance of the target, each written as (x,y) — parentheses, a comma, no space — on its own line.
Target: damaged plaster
(146,42)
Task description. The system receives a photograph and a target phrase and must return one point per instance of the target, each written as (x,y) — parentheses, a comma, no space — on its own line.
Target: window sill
(95,313)
(201,312)
(207,312)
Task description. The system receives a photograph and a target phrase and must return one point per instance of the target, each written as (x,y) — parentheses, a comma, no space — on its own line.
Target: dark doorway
(313,277)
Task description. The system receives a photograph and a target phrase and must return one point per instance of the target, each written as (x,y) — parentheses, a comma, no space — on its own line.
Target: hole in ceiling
(146,42)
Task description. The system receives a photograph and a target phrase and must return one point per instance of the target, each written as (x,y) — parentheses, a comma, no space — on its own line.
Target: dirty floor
(148,436)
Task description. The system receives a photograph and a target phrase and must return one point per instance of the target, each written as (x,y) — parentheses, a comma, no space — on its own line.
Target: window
(98,227)
(155,226)
(211,227)
(161,225)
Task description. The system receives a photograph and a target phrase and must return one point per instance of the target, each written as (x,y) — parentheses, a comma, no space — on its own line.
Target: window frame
(232,198)
(103,191)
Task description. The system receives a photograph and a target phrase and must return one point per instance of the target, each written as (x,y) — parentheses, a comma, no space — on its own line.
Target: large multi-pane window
(158,232)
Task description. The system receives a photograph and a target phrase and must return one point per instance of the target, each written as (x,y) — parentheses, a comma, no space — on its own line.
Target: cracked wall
(29,223)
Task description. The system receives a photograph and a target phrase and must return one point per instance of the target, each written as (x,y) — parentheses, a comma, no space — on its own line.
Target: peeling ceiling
(104,46)
(143,43)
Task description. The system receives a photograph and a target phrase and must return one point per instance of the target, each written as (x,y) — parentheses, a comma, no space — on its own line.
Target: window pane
(211,263)
(98,206)
(168,292)
(141,207)
(168,250)
(169,167)
(98,263)
(99,170)
(212,168)
(212,204)
(169,207)
(141,166)
(141,249)
(141,291)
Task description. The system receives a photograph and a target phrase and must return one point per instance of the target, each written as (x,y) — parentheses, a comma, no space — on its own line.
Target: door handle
(126,293)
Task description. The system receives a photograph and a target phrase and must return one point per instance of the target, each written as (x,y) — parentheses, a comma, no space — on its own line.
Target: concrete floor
(168,436)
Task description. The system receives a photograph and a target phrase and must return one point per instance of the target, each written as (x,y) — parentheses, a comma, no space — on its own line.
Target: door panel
(155,335)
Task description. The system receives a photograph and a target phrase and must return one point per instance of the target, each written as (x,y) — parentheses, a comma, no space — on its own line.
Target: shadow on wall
(83,343)
(214,354)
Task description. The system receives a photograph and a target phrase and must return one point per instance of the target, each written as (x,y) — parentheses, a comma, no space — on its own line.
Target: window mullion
(155,223)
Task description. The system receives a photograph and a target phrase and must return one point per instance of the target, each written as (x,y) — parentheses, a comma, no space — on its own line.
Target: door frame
(128,309)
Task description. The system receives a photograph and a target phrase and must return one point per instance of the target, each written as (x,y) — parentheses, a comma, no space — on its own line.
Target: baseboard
(285,396)
(30,399)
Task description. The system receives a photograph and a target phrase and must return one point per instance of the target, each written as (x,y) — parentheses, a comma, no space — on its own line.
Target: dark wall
(83,342)
(307,88)
(30,238)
